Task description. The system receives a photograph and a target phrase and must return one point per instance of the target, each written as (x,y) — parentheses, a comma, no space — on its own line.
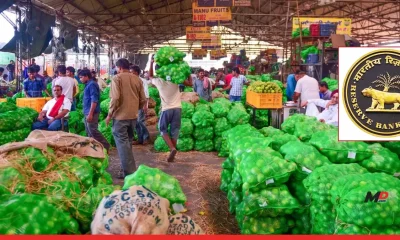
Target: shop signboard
(217,54)
(211,16)
(199,53)
(223,3)
(214,43)
(343,24)
(198,33)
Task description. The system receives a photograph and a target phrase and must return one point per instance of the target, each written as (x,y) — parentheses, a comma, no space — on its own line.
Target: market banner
(224,3)
(197,33)
(343,24)
(199,53)
(214,43)
(217,54)
(210,16)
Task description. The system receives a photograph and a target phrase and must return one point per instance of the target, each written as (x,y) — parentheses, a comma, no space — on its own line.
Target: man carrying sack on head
(53,111)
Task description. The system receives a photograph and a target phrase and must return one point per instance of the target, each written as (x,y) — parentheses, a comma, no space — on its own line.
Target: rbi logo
(371,93)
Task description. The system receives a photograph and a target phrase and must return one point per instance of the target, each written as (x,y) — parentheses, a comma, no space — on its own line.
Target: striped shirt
(237,85)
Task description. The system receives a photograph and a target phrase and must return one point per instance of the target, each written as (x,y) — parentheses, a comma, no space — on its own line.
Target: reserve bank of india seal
(371,93)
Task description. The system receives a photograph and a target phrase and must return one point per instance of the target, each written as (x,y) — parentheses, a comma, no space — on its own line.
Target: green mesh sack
(185,144)
(204,145)
(158,181)
(105,178)
(187,110)
(367,200)
(219,109)
(234,198)
(105,94)
(271,132)
(226,178)
(352,229)
(382,160)
(107,132)
(266,77)
(250,145)
(339,151)
(203,133)
(30,214)
(202,107)
(261,226)
(203,119)
(301,218)
(299,191)
(260,170)
(236,182)
(167,55)
(188,89)
(75,117)
(217,143)
(175,72)
(269,202)
(6,107)
(236,133)
(14,136)
(290,123)
(393,146)
(11,180)
(306,129)
(99,165)
(82,170)
(221,125)
(228,164)
(223,101)
(17,119)
(85,206)
(306,157)
(160,145)
(278,141)
(318,185)
(105,105)
(238,116)
(36,158)
(332,83)
(186,128)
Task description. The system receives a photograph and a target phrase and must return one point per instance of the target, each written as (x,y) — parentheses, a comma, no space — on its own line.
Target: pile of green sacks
(172,67)
(15,122)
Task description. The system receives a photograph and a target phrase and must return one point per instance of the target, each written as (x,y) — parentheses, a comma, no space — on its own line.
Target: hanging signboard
(224,3)
(210,16)
(199,53)
(343,24)
(217,54)
(197,33)
(214,43)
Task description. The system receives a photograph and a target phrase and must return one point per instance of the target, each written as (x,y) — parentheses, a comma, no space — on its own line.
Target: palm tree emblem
(387,82)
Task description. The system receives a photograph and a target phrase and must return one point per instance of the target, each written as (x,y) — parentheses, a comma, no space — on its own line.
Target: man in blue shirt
(91,108)
(290,87)
(33,86)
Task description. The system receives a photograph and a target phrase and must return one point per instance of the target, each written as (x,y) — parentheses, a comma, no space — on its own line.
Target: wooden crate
(34,103)
(264,100)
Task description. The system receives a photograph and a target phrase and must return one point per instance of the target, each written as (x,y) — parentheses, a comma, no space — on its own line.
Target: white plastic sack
(312,110)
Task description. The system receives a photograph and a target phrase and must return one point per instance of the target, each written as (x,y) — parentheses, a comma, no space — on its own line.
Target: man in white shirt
(51,119)
(306,88)
(171,110)
(141,129)
(67,83)
(330,114)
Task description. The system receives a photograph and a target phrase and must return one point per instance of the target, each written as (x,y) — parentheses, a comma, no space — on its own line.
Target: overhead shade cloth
(4,4)
(139,60)
(40,41)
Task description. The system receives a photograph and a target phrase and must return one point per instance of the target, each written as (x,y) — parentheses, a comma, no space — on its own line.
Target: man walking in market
(202,86)
(141,129)
(91,108)
(236,85)
(127,97)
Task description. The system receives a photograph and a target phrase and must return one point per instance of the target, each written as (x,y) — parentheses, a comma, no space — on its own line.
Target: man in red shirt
(228,79)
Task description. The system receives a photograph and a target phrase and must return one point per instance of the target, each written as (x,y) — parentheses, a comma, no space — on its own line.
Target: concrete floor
(199,176)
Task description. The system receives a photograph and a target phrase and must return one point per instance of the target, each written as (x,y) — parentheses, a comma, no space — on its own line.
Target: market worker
(53,111)
(127,97)
(71,73)
(290,86)
(47,78)
(33,86)
(141,129)
(91,108)
(11,70)
(228,79)
(220,79)
(171,110)
(324,92)
(306,88)
(330,114)
(236,85)
(202,86)
(67,83)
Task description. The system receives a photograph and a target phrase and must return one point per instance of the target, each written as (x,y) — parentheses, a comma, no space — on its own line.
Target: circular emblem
(371,93)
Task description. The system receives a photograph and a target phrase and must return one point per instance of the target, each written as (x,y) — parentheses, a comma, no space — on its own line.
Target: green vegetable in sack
(107,132)
(5,107)
(279,83)
(202,107)
(301,219)
(221,125)
(99,165)
(270,202)
(238,116)
(203,119)
(278,141)
(297,189)
(105,94)
(253,226)
(217,143)
(251,145)
(167,55)
(186,128)
(203,133)
(236,182)
(289,124)
(106,179)
(219,109)
(204,145)
(271,132)
(226,178)
(17,119)
(383,160)
(225,102)
(266,77)
(353,198)
(352,229)
(306,157)
(306,129)
(30,214)
(228,164)
(160,145)
(36,158)
(158,181)
(12,180)
(393,146)
(105,105)
(339,151)
(175,72)
(236,134)
(332,83)
(187,110)
(188,89)
(234,198)
(14,135)
(82,170)
(185,144)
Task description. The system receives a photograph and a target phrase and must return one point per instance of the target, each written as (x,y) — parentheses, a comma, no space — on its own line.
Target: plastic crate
(34,103)
(315,29)
(264,100)
(312,58)
(326,29)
